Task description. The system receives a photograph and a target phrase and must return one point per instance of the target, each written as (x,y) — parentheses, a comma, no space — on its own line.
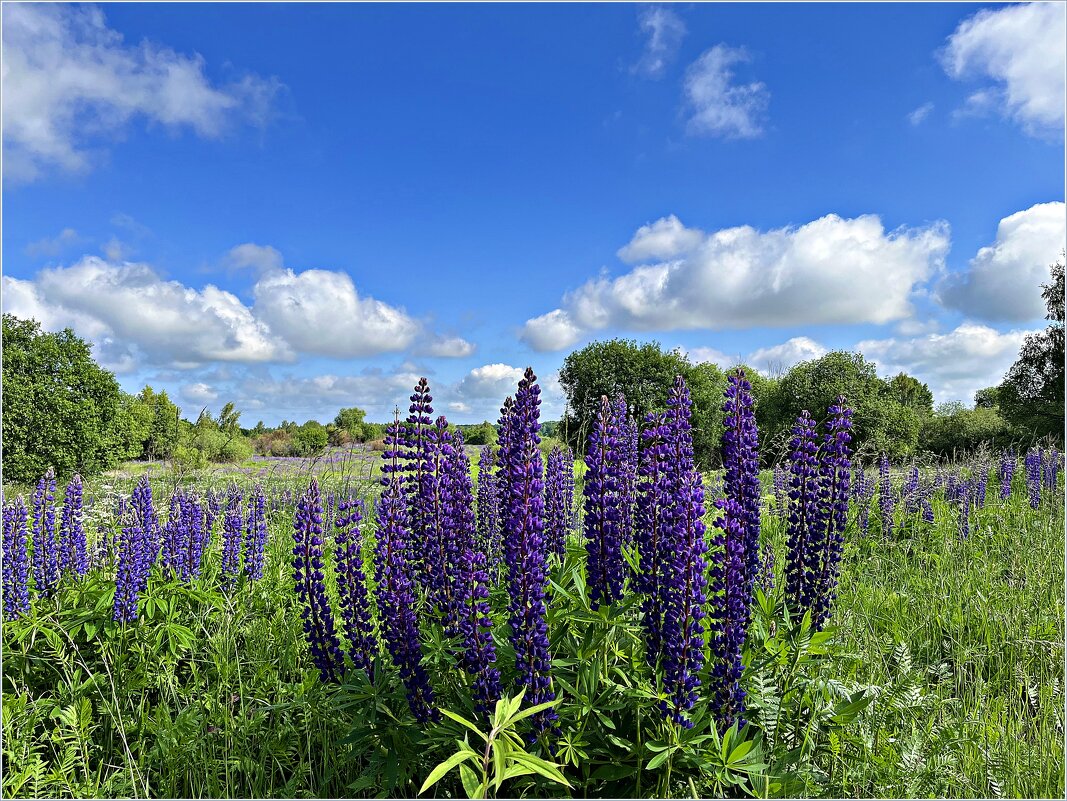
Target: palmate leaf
(549,770)
(439,772)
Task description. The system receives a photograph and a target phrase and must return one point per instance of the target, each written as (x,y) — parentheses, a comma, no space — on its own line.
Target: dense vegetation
(250,642)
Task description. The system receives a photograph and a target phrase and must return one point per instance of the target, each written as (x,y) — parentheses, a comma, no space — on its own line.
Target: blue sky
(300,207)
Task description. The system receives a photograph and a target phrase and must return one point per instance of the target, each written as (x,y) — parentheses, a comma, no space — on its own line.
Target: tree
(1031,397)
(484,433)
(644,374)
(351,420)
(987,398)
(310,438)
(60,408)
(165,430)
(911,392)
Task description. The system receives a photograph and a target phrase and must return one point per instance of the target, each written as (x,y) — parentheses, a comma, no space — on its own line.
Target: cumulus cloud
(490,382)
(705,354)
(1004,279)
(320,311)
(663,239)
(831,270)
(1022,48)
(166,321)
(319,397)
(70,82)
(664,30)
(199,393)
(779,358)
(955,364)
(258,257)
(449,347)
(719,106)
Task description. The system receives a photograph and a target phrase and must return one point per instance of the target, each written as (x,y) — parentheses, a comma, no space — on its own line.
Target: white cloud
(1023,49)
(490,382)
(116,250)
(449,347)
(708,354)
(955,365)
(663,239)
(831,270)
(784,356)
(718,106)
(258,257)
(917,116)
(70,82)
(320,311)
(665,31)
(53,246)
(319,397)
(199,393)
(459,407)
(1004,279)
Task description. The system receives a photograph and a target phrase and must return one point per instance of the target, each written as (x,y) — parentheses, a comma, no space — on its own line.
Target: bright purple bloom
(1050,470)
(16,561)
(420,479)
(835,472)
(1007,473)
(196,536)
(310,585)
(255,534)
(1033,476)
(863,486)
(740,459)
(524,548)
(684,568)
(45,547)
(728,615)
(129,581)
(147,522)
(231,534)
(352,586)
(603,502)
(653,550)
(886,501)
(488,524)
(558,511)
(627,446)
(805,514)
(396,592)
(478,654)
(72,552)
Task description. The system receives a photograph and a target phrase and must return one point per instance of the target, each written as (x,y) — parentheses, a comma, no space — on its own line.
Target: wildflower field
(455,622)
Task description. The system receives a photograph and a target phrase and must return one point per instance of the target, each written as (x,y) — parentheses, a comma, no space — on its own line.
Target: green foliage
(310,439)
(60,408)
(1031,396)
(484,433)
(952,429)
(644,374)
(350,420)
(911,393)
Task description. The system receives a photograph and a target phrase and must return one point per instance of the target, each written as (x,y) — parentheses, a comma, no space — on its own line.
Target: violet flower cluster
(524,549)
(310,584)
(419,477)
(478,653)
(740,458)
(628,440)
(73,557)
(45,547)
(16,560)
(1032,464)
(255,534)
(352,586)
(231,534)
(728,614)
(650,534)
(886,501)
(683,562)
(863,486)
(399,625)
(558,512)
(457,524)
(488,522)
(805,514)
(603,502)
(1050,469)
(1006,472)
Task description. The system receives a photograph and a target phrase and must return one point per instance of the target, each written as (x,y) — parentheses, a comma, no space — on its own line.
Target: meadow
(928,662)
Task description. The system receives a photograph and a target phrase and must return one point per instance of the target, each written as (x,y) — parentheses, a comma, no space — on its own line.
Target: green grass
(960,643)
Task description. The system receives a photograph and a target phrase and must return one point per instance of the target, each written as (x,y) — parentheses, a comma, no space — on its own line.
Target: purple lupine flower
(727,614)
(231,534)
(148,538)
(963,501)
(420,479)
(437,547)
(835,472)
(16,561)
(886,502)
(1006,473)
(683,581)
(478,654)
(740,458)
(173,536)
(72,555)
(310,586)
(399,625)
(980,484)
(129,583)
(627,445)
(909,491)
(1033,477)
(863,486)
(255,534)
(1050,470)
(805,513)
(653,501)
(557,514)
(352,586)
(524,548)
(457,516)
(488,524)
(603,498)
(196,538)
(45,547)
